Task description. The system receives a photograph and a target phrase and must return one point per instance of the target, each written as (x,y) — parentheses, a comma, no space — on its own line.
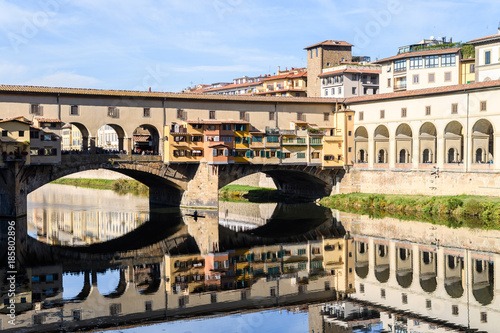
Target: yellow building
(291,82)
(338,261)
(338,148)
(15,140)
(184,273)
(467,71)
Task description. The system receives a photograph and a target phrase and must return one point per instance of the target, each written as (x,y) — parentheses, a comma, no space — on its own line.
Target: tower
(325,54)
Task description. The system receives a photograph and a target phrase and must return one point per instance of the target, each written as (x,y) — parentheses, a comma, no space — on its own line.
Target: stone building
(322,55)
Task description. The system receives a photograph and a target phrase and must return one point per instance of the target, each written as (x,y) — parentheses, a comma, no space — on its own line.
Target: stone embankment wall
(420,232)
(420,182)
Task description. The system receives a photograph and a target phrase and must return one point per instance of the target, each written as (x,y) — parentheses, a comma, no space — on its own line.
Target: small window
(213,298)
(21,134)
(447,76)
(454,310)
(146,112)
(354,90)
(484,317)
(271,115)
(77,315)
(388,83)
(361,288)
(472,68)
(5,133)
(300,116)
(272,291)
(349,118)
(428,304)
(487,57)
(454,108)
(361,115)
(326,116)
(148,306)
(36,109)
(74,110)
(242,115)
(113,112)
(382,293)
(211,114)
(432,77)
(404,298)
(115,309)
(416,79)
(382,114)
(180,114)
(349,133)
(403,113)
(427,110)
(483,106)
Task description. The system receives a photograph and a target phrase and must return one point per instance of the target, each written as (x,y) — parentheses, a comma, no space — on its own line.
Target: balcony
(288,132)
(400,87)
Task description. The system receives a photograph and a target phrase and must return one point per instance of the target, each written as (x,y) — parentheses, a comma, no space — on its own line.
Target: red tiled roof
(329,43)
(418,53)
(141,138)
(351,71)
(477,40)
(234,85)
(279,91)
(217,144)
(40,90)
(19,119)
(286,76)
(48,120)
(423,92)
(209,122)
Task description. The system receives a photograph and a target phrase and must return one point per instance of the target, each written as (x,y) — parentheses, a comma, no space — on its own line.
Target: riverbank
(249,193)
(452,211)
(117,185)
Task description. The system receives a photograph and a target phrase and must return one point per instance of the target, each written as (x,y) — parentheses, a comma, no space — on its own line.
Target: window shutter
(262,153)
(216,138)
(214,152)
(226,152)
(278,154)
(267,154)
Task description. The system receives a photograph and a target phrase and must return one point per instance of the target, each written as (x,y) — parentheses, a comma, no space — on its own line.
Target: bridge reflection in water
(398,275)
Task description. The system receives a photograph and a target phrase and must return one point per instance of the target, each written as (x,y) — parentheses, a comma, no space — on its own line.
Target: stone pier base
(13,190)
(203,189)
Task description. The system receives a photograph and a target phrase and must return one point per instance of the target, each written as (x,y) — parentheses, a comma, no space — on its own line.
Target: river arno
(247,268)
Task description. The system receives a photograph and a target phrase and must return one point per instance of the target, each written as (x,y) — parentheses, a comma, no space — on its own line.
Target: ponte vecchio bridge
(300,142)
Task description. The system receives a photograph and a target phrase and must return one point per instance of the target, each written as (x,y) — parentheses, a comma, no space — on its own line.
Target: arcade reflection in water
(393,276)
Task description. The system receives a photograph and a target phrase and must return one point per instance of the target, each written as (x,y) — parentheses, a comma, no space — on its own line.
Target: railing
(288,132)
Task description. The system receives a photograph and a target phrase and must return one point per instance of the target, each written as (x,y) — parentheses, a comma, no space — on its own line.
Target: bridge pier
(13,191)
(203,189)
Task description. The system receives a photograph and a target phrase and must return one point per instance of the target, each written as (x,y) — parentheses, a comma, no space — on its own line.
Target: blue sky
(171,44)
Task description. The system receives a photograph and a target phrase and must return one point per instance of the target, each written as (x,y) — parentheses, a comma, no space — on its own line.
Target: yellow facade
(467,71)
(15,140)
(184,273)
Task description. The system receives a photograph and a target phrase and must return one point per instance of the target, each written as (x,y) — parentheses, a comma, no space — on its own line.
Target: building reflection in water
(59,215)
(382,275)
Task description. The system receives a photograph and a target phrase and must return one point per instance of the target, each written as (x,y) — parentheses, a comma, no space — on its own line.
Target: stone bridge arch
(303,181)
(166,183)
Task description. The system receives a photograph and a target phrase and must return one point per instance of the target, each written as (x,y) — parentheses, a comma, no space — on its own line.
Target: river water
(98,260)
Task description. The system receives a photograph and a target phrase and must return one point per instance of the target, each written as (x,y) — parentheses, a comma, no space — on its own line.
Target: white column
(416,152)
(392,152)
(440,152)
(371,152)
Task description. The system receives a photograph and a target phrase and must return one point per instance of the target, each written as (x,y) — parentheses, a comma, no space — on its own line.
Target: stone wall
(420,182)
(257,179)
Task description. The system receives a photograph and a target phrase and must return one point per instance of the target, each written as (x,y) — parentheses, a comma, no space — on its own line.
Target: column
(440,152)
(415,152)
(92,144)
(392,153)
(371,152)
(496,151)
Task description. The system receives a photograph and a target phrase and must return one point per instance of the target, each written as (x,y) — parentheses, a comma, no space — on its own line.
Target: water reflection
(343,271)
(69,215)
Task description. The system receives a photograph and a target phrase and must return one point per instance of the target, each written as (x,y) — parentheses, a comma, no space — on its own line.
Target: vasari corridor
(230,166)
